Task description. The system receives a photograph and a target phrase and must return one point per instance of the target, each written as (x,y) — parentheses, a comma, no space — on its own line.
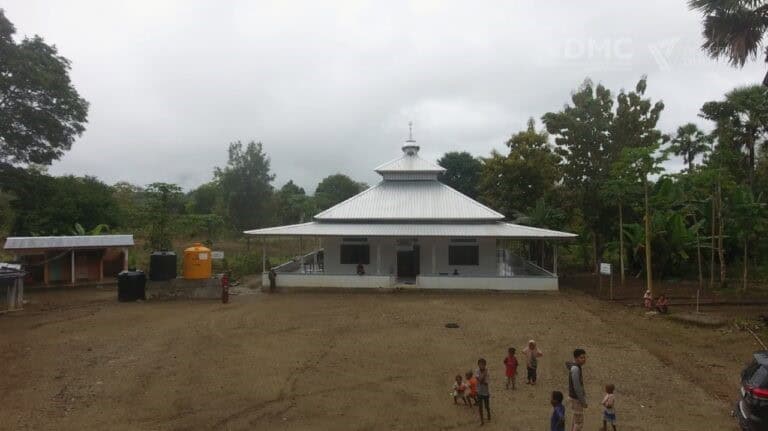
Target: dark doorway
(408,263)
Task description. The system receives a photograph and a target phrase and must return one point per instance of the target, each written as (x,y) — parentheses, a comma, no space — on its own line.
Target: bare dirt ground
(76,360)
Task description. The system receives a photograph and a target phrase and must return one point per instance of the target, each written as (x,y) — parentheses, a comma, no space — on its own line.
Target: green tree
(131,202)
(334,189)
(292,205)
(52,205)
(462,172)
(206,199)
(640,163)
(582,135)
(750,221)
(529,172)
(246,185)
(741,123)
(733,29)
(164,203)
(689,142)
(41,113)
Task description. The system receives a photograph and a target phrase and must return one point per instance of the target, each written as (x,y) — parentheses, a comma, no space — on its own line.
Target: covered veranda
(471,256)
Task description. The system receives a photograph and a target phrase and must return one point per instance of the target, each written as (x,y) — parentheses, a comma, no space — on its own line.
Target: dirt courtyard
(82,361)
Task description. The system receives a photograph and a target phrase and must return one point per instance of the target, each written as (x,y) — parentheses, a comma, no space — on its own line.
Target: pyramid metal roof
(410,200)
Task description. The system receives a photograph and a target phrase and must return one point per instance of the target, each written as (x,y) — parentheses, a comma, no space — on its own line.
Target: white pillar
(378,257)
(317,250)
(73,268)
(434,258)
(554,258)
(125,259)
(263,255)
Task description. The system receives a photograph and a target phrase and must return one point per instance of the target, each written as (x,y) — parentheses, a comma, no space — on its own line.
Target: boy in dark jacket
(576,393)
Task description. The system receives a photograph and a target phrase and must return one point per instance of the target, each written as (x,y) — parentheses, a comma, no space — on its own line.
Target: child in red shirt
(472,383)
(511,363)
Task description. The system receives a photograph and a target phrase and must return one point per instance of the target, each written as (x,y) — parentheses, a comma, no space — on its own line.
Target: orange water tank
(197,262)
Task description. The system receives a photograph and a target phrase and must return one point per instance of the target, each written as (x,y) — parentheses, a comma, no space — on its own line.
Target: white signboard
(217,255)
(605,268)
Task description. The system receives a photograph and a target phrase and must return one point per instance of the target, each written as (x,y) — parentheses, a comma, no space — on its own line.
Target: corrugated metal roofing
(89,241)
(409,163)
(474,230)
(410,200)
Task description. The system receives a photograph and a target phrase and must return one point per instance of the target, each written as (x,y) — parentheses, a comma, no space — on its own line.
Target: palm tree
(689,143)
(733,29)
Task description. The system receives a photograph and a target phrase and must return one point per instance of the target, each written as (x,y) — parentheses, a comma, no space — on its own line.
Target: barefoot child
(483,394)
(511,363)
(459,390)
(532,355)
(609,414)
(557,421)
(471,387)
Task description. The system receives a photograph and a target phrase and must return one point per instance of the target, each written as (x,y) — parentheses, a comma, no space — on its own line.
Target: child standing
(459,390)
(483,394)
(609,402)
(472,386)
(532,355)
(511,363)
(557,421)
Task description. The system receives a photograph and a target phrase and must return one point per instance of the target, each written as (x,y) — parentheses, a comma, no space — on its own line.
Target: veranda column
(317,250)
(263,255)
(554,258)
(72,269)
(125,259)
(378,257)
(434,258)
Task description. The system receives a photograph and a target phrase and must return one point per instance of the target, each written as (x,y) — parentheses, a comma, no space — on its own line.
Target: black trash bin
(162,266)
(131,286)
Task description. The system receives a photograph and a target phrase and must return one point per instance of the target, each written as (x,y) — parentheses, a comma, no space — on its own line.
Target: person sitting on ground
(662,304)
(648,300)
(472,385)
(459,390)
(360,269)
(532,355)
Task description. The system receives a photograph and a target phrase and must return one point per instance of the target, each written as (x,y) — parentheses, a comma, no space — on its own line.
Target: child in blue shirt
(557,421)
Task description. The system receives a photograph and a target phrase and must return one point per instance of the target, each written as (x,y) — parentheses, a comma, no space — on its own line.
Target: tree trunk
(720,248)
(712,247)
(621,243)
(648,270)
(744,274)
(698,255)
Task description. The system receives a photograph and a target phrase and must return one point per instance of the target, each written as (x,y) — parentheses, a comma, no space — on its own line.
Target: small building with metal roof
(71,260)
(411,230)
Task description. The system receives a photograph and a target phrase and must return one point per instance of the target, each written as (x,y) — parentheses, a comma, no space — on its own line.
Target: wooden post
(72,272)
(378,257)
(101,265)
(125,258)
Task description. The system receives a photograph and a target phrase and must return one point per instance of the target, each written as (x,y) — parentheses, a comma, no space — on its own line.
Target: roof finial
(410,132)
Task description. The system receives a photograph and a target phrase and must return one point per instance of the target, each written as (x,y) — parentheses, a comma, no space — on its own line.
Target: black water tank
(131,286)
(162,266)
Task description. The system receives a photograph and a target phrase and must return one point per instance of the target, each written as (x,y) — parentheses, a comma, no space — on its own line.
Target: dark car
(752,408)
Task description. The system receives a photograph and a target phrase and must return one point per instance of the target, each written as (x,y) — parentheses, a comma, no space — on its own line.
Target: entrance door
(408,263)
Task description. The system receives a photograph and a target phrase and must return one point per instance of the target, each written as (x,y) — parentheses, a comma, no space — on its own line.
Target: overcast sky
(330,87)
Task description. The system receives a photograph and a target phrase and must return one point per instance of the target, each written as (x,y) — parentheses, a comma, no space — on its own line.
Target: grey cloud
(330,87)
